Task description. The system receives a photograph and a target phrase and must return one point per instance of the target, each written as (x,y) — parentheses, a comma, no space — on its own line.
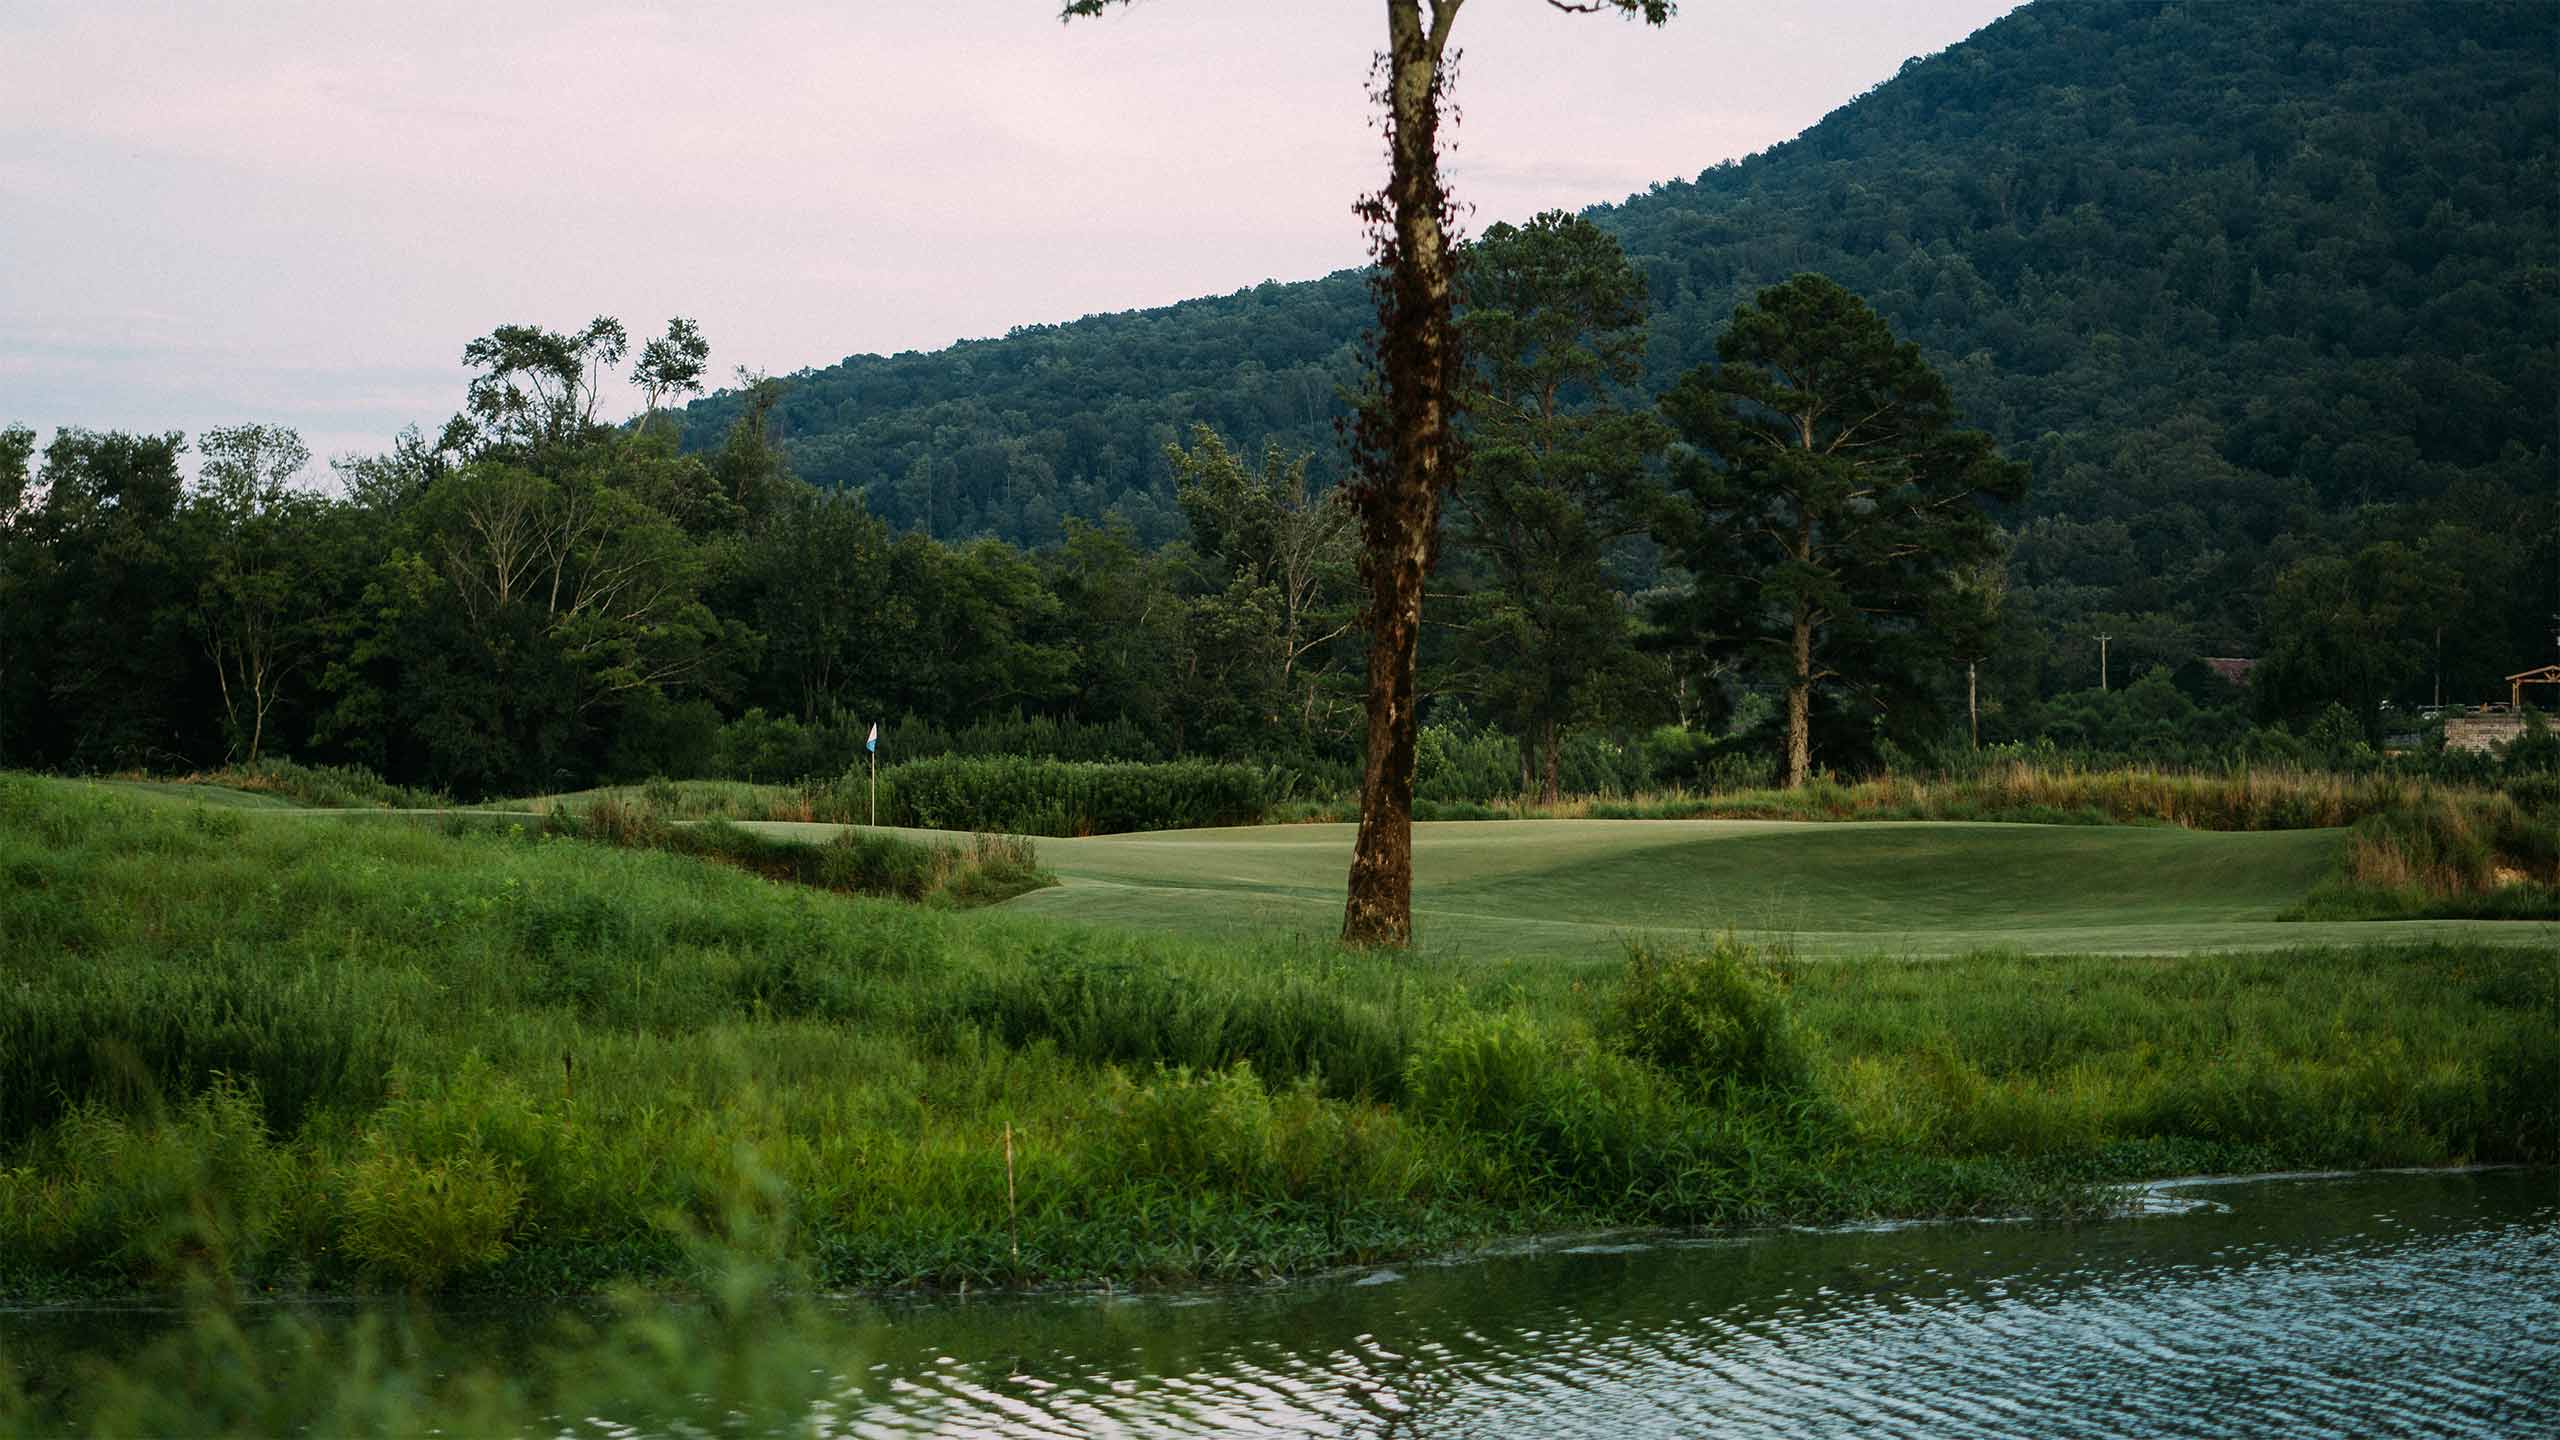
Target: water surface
(2377,1305)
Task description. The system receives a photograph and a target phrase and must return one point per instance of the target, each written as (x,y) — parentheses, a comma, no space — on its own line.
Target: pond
(2403,1304)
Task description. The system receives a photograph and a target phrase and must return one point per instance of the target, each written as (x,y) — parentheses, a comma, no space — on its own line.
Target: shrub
(982,871)
(200,1186)
(1716,1014)
(428,1220)
(1224,1131)
(442,1178)
(136,1036)
(2446,854)
(1480,1073)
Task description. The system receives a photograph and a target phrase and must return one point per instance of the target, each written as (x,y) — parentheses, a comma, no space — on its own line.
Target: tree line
(1792,550)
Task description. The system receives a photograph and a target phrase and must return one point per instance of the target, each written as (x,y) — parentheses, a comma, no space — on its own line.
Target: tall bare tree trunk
(1554,778)
(1409,450)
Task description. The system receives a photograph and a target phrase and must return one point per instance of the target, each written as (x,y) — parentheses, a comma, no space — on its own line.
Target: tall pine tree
(1557,477)
(1830,502)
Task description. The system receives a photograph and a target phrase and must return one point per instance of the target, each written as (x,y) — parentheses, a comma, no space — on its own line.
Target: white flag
(873,744)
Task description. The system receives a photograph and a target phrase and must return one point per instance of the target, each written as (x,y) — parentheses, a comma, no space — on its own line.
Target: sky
(298,211)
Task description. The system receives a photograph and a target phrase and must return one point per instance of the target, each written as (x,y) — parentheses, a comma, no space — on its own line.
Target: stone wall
(2481,732)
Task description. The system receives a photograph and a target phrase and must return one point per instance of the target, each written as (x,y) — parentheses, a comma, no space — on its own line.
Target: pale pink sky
(298,210)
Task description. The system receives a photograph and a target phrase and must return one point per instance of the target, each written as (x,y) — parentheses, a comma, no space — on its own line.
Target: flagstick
(875,789)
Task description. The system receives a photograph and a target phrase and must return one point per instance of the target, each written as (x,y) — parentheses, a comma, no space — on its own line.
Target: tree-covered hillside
(2242,281)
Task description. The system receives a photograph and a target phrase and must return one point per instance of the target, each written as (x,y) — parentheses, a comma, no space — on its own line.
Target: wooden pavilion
(2543,675)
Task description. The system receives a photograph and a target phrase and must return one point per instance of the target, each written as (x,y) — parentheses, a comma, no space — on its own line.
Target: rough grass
(2475,856)
(291,783)
(960,872)
(1063,799)
(270,1051)
(2243,798)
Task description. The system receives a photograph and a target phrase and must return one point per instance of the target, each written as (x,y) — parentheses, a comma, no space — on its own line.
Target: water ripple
(2412,1306)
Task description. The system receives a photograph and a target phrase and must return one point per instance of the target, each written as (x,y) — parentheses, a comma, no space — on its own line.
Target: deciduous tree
(1406,436)
(250,608)
(1275,548)
(19,615)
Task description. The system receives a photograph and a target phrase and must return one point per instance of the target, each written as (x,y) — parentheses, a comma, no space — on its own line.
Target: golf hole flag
(871,744)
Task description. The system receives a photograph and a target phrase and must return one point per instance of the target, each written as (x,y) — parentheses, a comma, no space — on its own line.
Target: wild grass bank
(322,1056)
(2486,857)
(980,870)
(2235,799)
(1054,797)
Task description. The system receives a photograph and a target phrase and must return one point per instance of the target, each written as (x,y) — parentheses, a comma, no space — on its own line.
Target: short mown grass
(332,1056)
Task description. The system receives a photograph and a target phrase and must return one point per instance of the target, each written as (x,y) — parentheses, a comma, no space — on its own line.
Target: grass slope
(333,1056)
(1505,889)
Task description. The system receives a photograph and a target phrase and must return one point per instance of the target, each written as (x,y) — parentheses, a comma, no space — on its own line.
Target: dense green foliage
(338,1054)
(1831,508)
(2494,857)
(1559,479)
(1059,797)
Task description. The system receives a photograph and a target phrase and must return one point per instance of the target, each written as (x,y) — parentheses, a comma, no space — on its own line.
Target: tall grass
(983,870)
(319,787)
(2446,856)
(330,1056)
(2237,799)
(1045,797)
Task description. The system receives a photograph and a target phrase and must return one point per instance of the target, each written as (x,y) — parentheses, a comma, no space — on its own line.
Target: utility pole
(2102,662)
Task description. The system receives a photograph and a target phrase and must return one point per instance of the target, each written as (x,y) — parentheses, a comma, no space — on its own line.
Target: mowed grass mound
(1549,888)
(354,1056)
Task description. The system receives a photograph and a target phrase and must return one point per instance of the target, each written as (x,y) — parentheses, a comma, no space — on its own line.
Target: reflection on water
(2403,1305)
(2378,1305)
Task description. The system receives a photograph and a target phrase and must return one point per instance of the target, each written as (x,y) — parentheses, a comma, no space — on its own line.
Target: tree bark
(1800,705)
(1972,704)
(1411,463)
(1379,907)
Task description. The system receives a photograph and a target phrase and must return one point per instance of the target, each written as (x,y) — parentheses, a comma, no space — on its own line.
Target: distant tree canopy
(2228,277)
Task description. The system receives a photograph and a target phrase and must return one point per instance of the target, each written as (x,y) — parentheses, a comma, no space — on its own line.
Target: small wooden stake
(1012,1213)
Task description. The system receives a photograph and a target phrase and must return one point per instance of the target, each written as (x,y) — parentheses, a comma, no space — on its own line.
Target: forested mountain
(2242,281)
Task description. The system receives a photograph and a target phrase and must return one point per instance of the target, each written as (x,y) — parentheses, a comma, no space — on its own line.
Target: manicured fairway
(1574,887)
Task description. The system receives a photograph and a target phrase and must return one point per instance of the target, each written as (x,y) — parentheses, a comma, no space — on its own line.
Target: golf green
(1518,888)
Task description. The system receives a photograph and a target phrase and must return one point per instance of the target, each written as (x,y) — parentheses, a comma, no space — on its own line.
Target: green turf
(1515,888)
